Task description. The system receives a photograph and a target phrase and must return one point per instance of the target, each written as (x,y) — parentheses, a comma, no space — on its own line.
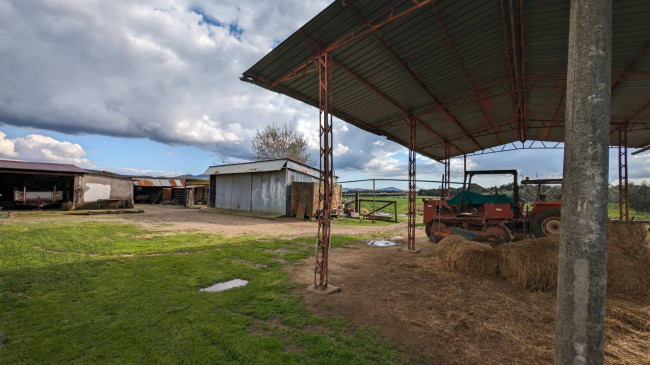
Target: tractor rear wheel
(546,223)
(434,232)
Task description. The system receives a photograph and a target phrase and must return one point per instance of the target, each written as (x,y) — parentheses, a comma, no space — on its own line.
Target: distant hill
(193,177)
(390,189)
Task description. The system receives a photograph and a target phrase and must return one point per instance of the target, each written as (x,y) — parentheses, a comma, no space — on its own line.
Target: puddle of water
(235,283)
(383,243)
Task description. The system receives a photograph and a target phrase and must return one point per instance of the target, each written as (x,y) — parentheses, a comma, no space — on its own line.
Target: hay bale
(533,264)
(628,259)
(627,235)
(530,264)
(467,257)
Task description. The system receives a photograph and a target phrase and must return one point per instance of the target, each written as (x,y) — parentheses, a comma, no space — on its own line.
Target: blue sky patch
(233,28)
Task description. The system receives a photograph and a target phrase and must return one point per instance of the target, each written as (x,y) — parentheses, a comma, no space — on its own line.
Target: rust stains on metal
(164,183)
(488,119)
(446,113)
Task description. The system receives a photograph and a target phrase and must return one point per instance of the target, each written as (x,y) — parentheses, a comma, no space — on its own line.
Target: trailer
(37,198)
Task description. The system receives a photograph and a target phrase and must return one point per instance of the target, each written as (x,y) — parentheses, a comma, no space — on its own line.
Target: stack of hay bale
(532,264)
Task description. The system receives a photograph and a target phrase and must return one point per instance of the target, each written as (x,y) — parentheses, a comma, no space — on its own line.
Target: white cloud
(167,70)
(7,146)
(145,172)
(36,147)
(340,149)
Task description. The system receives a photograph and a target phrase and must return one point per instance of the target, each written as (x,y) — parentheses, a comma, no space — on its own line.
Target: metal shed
(261,186)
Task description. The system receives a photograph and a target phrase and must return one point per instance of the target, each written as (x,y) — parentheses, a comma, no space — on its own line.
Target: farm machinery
(493,218)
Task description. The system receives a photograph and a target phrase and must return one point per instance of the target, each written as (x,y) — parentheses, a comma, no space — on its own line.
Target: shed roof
(165,183)
(475,74)
(40,166)
(261,166)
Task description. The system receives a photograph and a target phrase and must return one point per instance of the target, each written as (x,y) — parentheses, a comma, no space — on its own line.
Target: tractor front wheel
(546,223)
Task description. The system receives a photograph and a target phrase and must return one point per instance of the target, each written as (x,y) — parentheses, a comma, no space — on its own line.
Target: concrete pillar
(580,321)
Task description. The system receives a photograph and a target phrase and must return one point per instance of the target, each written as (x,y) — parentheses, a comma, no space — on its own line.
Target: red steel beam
(556,115)
(412,177)
(633,116)
(447,115)
(509,57)
(386,17)
(646,148)
(390,101)
(321,274)
(522,72)
(262,82)
(487,120)
(632,63)
(623,188)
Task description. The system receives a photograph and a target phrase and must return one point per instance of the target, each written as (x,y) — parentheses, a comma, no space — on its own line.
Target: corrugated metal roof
(40,166)
(165,183)
(453,64)
(261,166)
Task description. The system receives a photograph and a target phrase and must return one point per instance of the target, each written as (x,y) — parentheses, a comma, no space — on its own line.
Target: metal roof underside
(475,74)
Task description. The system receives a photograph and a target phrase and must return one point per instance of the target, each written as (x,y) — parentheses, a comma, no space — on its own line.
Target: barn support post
(623,192)
(412,191)
(326,187)
(447,176)
(464,164)
(580,306)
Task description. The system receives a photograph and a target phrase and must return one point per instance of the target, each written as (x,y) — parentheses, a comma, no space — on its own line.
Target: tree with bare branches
(276,142)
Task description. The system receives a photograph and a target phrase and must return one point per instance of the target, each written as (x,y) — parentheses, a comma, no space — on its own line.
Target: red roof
(40,166)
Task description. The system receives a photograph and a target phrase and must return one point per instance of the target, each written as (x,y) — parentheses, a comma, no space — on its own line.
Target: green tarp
(475,199)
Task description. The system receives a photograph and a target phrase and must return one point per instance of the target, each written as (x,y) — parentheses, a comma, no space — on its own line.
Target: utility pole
(580,313)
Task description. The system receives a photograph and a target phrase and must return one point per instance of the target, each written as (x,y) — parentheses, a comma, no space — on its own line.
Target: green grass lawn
(402,202)
(115,293)
(613,213)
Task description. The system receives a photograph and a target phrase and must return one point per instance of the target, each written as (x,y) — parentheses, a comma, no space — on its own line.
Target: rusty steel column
(623,193)
(326,170)
(412,192)
(447,176)
(580,303)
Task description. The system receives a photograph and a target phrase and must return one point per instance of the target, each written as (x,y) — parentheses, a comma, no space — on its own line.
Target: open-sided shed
(472,74)
(449,78)
(37,184)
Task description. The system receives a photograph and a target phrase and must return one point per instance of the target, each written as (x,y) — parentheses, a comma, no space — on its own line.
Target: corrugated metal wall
(266,192)
(269,192)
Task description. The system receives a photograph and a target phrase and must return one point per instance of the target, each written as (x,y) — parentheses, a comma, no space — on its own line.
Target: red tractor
(493,218)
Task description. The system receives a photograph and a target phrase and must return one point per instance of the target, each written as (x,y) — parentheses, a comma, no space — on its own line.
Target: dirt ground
(174,218)
(447,318)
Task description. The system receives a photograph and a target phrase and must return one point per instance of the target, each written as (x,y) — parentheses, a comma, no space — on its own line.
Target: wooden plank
(300,215)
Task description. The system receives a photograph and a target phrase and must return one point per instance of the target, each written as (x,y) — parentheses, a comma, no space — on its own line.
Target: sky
(152,88)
